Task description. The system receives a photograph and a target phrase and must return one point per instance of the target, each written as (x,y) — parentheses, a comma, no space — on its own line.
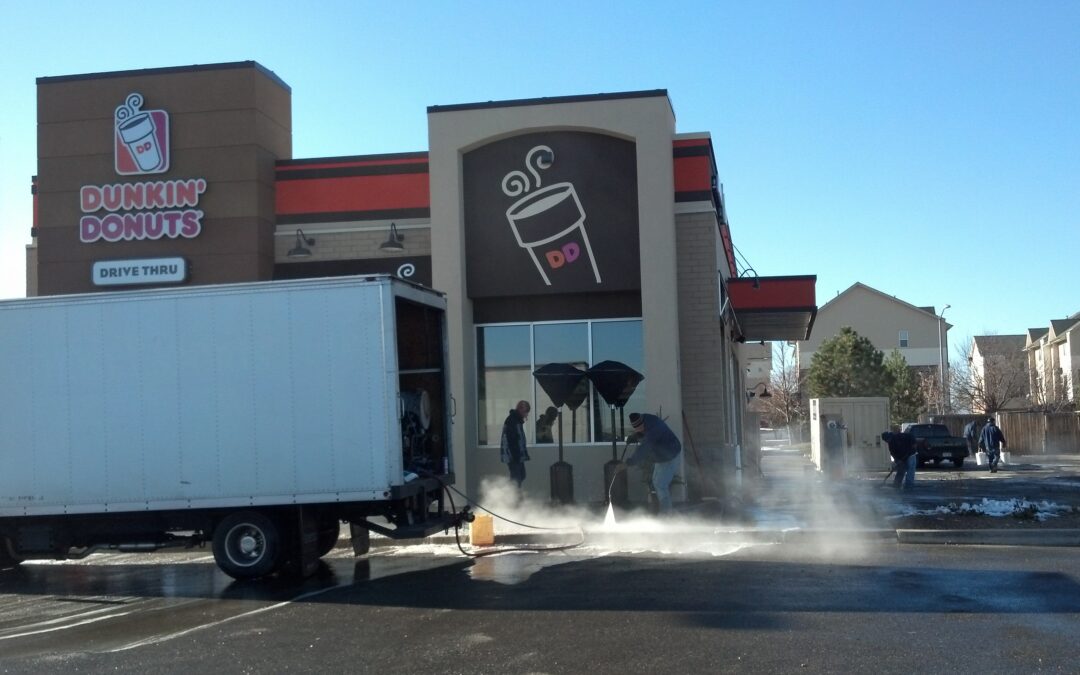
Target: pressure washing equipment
(567,385)
(617,469)
(616,383)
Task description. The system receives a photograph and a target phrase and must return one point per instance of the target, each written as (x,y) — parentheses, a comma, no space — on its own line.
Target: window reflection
(563,343)
(507,355)
(504,377)
(617,341)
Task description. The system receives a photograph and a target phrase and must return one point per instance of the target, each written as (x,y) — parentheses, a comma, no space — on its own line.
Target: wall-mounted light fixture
(750,393)
(301,251)
(394,241)
(747,272)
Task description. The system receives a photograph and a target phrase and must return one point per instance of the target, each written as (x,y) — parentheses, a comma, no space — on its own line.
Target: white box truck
(253,416)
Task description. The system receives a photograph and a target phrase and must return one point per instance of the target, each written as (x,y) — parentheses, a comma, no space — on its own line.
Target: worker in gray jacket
(514,452)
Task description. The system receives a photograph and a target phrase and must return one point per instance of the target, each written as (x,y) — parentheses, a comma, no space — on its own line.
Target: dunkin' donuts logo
(548,221)
(551,213)
(142,138)
(142,210)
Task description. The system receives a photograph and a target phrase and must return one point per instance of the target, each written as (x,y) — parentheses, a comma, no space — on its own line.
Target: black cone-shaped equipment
(568,385)
(615,382)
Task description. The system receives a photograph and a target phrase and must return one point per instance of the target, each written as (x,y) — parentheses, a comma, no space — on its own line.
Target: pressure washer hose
(616,475)
(532,549)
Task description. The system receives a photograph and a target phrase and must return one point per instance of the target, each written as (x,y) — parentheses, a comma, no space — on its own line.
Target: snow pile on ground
(998,508)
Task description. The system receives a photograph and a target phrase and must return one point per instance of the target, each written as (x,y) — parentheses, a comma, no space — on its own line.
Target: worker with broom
(905,456)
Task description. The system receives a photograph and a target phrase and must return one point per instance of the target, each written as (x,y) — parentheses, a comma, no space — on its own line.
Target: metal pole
(941,361)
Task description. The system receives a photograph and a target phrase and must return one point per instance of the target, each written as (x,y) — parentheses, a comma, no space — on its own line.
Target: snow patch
(997,508)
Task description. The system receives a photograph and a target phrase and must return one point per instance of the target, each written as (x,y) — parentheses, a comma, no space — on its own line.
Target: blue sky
(930,150)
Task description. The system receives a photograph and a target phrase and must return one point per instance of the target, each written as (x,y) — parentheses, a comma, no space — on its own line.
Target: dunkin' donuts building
(576,230)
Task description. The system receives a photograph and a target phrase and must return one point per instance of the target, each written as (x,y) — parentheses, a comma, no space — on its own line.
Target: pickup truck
(935,443)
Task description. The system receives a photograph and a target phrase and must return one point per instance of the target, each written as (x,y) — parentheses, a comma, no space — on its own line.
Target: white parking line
(67,626)
(172,636)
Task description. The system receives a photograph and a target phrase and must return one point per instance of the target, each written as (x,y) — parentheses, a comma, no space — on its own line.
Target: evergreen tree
(905,396)
(848,365)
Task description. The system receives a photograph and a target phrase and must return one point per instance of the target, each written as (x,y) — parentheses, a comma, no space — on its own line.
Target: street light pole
(941,361)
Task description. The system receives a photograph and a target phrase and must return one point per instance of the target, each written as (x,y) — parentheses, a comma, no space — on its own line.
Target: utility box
(845,434)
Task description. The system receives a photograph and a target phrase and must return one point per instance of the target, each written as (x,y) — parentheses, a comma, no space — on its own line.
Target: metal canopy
(774,308)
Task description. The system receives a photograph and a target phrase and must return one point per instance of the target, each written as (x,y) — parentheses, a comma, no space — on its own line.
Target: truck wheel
(361,539)
(247,544)
(958,463)
(329,531)
(8,557)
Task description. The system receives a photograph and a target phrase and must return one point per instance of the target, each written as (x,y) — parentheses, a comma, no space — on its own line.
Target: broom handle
(690,438)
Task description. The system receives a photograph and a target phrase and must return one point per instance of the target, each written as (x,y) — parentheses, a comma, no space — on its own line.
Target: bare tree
(1002,380)
(1053,397)
(929,390)
(785,407)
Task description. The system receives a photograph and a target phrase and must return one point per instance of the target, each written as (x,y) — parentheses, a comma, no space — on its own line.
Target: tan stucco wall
(31,271)
(650,124)
(879,319)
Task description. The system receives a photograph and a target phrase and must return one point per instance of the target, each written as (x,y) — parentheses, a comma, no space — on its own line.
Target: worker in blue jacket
(659,444)
(993,442)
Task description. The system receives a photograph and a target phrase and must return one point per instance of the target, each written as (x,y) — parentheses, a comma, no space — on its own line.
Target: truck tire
(247,545)
(329,531)
(8,557)
(361,539)
(958,463)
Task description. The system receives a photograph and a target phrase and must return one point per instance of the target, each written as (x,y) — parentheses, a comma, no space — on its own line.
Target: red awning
(774,308)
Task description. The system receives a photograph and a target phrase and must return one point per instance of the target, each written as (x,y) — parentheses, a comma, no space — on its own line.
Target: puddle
(515,567)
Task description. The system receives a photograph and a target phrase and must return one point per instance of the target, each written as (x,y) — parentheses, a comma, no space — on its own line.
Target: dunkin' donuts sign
(141,209)
(551,213)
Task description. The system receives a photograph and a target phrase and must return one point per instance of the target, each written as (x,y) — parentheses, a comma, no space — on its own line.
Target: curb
(1044,537)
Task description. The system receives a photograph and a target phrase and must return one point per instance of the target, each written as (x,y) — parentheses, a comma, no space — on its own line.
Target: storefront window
(561,343)
(617,341)
(507,354)
(504,355)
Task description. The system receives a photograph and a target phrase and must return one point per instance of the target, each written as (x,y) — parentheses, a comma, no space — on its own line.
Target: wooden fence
(1027,433)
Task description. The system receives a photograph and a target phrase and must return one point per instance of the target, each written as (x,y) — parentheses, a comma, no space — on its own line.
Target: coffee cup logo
(549,222)
(142,138)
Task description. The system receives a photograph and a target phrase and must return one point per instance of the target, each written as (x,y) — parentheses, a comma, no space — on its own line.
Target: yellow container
(482,530)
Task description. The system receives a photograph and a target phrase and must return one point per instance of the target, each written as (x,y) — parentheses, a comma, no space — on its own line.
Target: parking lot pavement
(1043,478)
(1031,493)
(793,502)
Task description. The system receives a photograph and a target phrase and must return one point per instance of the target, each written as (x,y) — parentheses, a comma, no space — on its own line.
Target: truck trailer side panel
(201,397)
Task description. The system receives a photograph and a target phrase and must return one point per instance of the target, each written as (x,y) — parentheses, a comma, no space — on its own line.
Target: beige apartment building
(1053,362)
(998,367)
(919,333)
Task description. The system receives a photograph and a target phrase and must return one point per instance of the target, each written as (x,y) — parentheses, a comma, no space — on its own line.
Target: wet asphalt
(755,608)
(688,595)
